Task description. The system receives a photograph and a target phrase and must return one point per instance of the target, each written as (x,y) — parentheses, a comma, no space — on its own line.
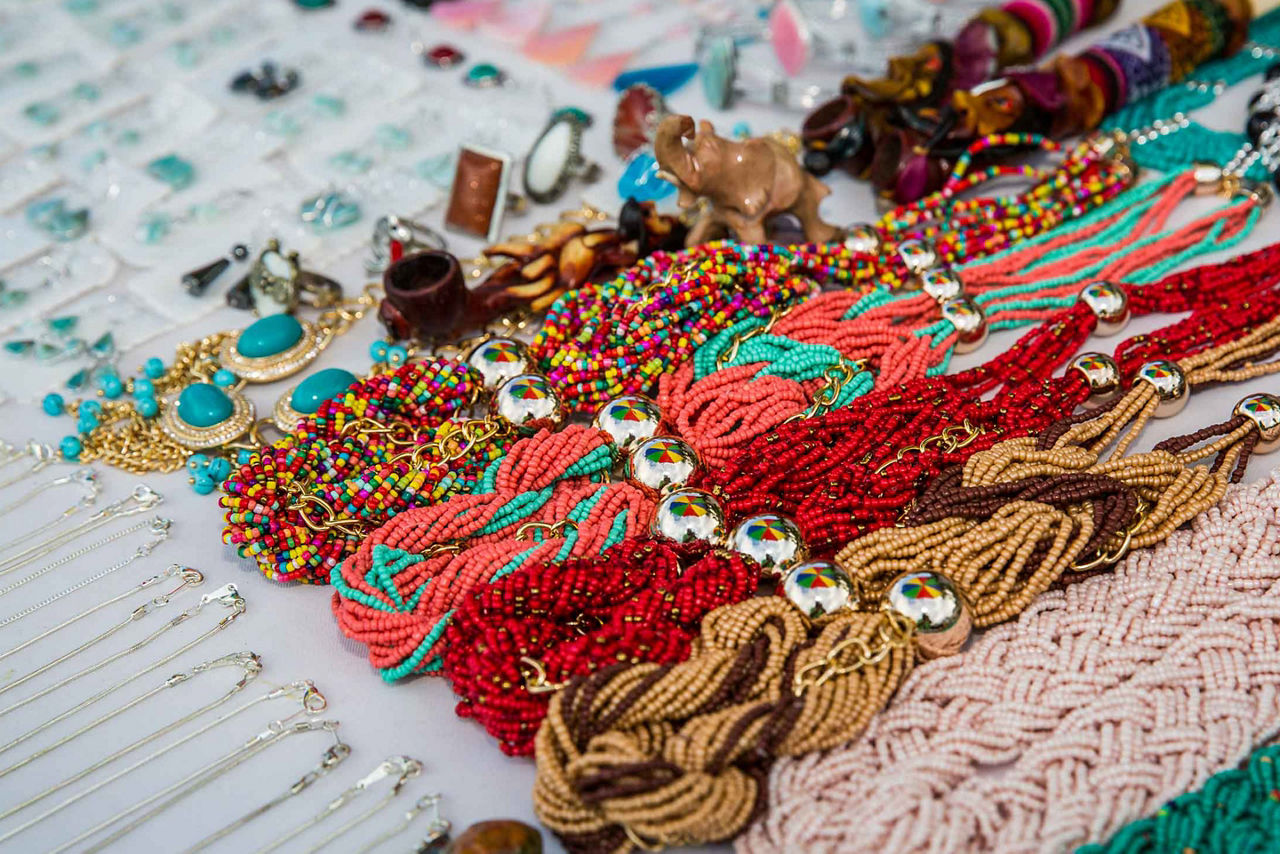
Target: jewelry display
(160,529)
(333,757)
(398,769)
(275,733)
(842,670)
(195,404)
(248,664)
(590,614)
(226,596)
(157,527)
(436,836)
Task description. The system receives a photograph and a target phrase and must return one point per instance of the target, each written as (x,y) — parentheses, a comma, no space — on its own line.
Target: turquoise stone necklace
(191,412)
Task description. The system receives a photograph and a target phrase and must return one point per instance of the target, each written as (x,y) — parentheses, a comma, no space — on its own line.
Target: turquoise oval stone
(319,387)
(272,334)
(204,405)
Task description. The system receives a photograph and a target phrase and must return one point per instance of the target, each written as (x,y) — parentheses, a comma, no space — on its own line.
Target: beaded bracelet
(619,336)
(776,677)
(827,351)
(1133,653)
(837,477)
(641,602)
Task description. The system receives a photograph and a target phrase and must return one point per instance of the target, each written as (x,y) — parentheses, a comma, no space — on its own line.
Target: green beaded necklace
(1236,811)
(1165,139)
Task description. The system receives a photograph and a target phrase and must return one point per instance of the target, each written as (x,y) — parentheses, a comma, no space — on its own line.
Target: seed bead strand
(301,505)
(622,752)
(837,476)
(1135,652)
(897,338)
(512,641)
(548,499)
(607,338)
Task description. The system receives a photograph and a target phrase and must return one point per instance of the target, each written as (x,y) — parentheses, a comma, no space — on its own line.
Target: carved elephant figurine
(744,182)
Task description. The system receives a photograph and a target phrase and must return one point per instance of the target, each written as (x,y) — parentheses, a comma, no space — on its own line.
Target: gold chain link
(895,631)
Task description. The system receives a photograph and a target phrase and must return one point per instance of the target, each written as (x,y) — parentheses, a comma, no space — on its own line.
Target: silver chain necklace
(142,499)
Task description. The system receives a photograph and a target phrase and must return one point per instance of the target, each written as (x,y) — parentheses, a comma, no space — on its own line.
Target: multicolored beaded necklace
(397,594)
(618,336)
(622,751)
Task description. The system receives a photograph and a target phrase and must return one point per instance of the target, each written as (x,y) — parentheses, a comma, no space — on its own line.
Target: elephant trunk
(671,153)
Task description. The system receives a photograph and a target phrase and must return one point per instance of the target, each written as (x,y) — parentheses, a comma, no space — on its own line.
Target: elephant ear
(755,177)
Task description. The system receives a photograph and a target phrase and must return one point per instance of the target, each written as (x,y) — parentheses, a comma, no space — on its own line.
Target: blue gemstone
(219,469)
(70,447)
(53,404)
(172,170)
(202,484)
(111,386)
(378,351)
(154,368)
(197,463)
(223,378)
(640,181)
(91,406)
(147,407)
(319,387)
(665,78)
(268,336)
(143,388)
(204,405)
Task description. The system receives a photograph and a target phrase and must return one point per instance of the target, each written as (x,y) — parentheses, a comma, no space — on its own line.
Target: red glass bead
(443,56)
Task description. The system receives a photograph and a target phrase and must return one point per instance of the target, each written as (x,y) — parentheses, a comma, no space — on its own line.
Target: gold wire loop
(535,677)
(895,631)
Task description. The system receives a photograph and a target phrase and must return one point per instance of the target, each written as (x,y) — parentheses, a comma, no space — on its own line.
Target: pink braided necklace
(1102,702)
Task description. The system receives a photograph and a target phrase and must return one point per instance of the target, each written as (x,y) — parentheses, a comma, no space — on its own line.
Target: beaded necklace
(300,525)
(379,598)
(302,504)
(1158,125)
(618,336)
(1234,811)
(1134,652)
(786,676)
(838,478)
(828,351)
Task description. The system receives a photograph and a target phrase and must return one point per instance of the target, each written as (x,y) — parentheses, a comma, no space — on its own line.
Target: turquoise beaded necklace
(1165,139)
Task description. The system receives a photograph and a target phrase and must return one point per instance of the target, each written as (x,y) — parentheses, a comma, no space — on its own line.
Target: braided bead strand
(395,594)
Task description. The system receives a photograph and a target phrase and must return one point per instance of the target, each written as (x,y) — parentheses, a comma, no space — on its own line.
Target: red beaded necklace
(838,477)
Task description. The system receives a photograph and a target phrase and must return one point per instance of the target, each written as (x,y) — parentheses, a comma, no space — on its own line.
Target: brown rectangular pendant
(479,195)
